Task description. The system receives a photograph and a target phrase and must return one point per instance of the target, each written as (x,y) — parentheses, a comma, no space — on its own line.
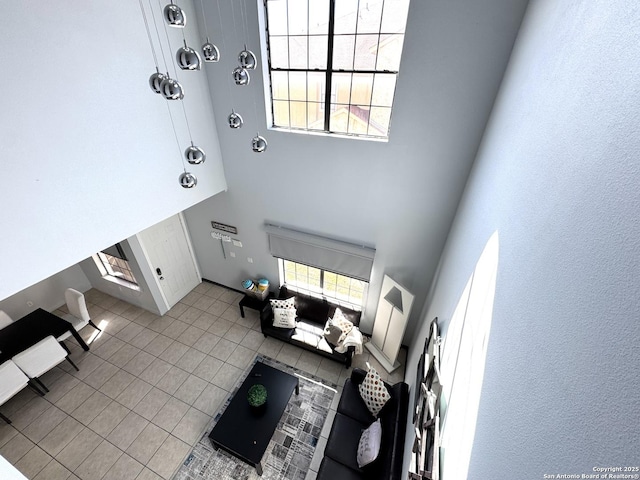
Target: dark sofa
(351,419)
(312,315)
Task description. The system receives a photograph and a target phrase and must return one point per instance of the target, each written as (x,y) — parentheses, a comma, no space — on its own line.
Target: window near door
(336,288)
(333,64)
(113,264)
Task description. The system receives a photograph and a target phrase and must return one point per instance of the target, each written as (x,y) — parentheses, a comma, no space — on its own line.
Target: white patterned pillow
(373,392)
(369,445)
(288,303)
(284,317)
(340,321)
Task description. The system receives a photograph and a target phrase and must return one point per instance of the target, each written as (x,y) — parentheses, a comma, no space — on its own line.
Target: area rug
(292,446)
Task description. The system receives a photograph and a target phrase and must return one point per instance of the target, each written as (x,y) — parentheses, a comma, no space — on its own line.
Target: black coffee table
(245,432)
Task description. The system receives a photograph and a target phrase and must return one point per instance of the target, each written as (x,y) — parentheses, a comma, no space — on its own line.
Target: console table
(253,303)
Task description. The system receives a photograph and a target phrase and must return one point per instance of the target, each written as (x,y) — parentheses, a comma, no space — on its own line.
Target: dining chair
(4,319)
(78,314)
(12,380)
(40,358)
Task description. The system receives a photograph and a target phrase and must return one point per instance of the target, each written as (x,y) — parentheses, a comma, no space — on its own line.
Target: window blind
(321,252)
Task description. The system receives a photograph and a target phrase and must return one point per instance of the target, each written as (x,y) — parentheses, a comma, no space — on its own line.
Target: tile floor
(147,389)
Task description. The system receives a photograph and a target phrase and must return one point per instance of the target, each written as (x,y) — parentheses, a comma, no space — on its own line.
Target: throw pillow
(284,317)
(332,333)
(283,303)
(342,323)
(374,392)
(369,446)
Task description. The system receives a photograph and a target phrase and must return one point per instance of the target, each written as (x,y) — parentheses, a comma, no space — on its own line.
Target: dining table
(30,329)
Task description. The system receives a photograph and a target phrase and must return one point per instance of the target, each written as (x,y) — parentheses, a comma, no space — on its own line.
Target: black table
(30,329)
(245,432)
(254,303)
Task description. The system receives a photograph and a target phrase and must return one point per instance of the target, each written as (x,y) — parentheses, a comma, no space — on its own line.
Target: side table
(253,303)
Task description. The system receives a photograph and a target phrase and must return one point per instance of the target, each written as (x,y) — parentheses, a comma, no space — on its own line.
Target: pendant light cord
(204,19)
(155,24)
(175,133)
(175,68)
(246,36)
(146,26)
(224,49)
(245,27)
(146,23)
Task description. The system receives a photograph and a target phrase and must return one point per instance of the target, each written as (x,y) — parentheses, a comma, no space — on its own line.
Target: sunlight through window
(463,359)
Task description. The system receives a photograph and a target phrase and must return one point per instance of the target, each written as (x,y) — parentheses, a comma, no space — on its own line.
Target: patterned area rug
(291,448)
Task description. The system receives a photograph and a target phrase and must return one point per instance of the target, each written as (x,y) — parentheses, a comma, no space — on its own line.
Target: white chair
(78,314)
(12,380)
(40,358)
(4,319)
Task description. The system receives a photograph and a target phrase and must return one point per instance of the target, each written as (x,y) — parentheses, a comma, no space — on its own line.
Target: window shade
(321,252)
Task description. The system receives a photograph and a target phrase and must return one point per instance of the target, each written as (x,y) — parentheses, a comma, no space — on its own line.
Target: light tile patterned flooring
(147,389)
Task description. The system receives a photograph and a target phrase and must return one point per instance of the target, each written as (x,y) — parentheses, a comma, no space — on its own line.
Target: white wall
(8,471)
(557,177)
(148,296)
(398,196)
(88,153)
(47,294)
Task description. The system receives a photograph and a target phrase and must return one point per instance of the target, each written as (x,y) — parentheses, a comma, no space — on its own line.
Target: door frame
(161,300)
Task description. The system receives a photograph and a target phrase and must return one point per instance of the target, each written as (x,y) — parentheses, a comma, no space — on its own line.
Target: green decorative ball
(257,395)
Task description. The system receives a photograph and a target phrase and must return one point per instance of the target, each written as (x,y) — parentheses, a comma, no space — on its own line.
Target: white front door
(168,249)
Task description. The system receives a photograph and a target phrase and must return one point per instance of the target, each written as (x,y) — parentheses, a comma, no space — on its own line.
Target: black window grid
(323,290)
(121,268)
(329,106)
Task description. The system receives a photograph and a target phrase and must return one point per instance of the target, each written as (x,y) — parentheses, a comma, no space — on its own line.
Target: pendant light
(187,180)
(174,16)
(188,58)
(171,89)
(258,143)
(241,76)
(156,79)
(209,51)
(247,59)
(235,120)
(195,155)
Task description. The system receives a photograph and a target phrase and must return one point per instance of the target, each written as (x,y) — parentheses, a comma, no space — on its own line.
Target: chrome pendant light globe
(247,59)
(187,180)
(188,58)
(174,16)
(259,144)
(195,155)
(210,52)
(235,120)
(171,89)
(155,80)
(241,76)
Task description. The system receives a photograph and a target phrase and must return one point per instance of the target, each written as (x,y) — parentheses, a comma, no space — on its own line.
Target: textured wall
(398,196)
(557,177)
(47,294)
